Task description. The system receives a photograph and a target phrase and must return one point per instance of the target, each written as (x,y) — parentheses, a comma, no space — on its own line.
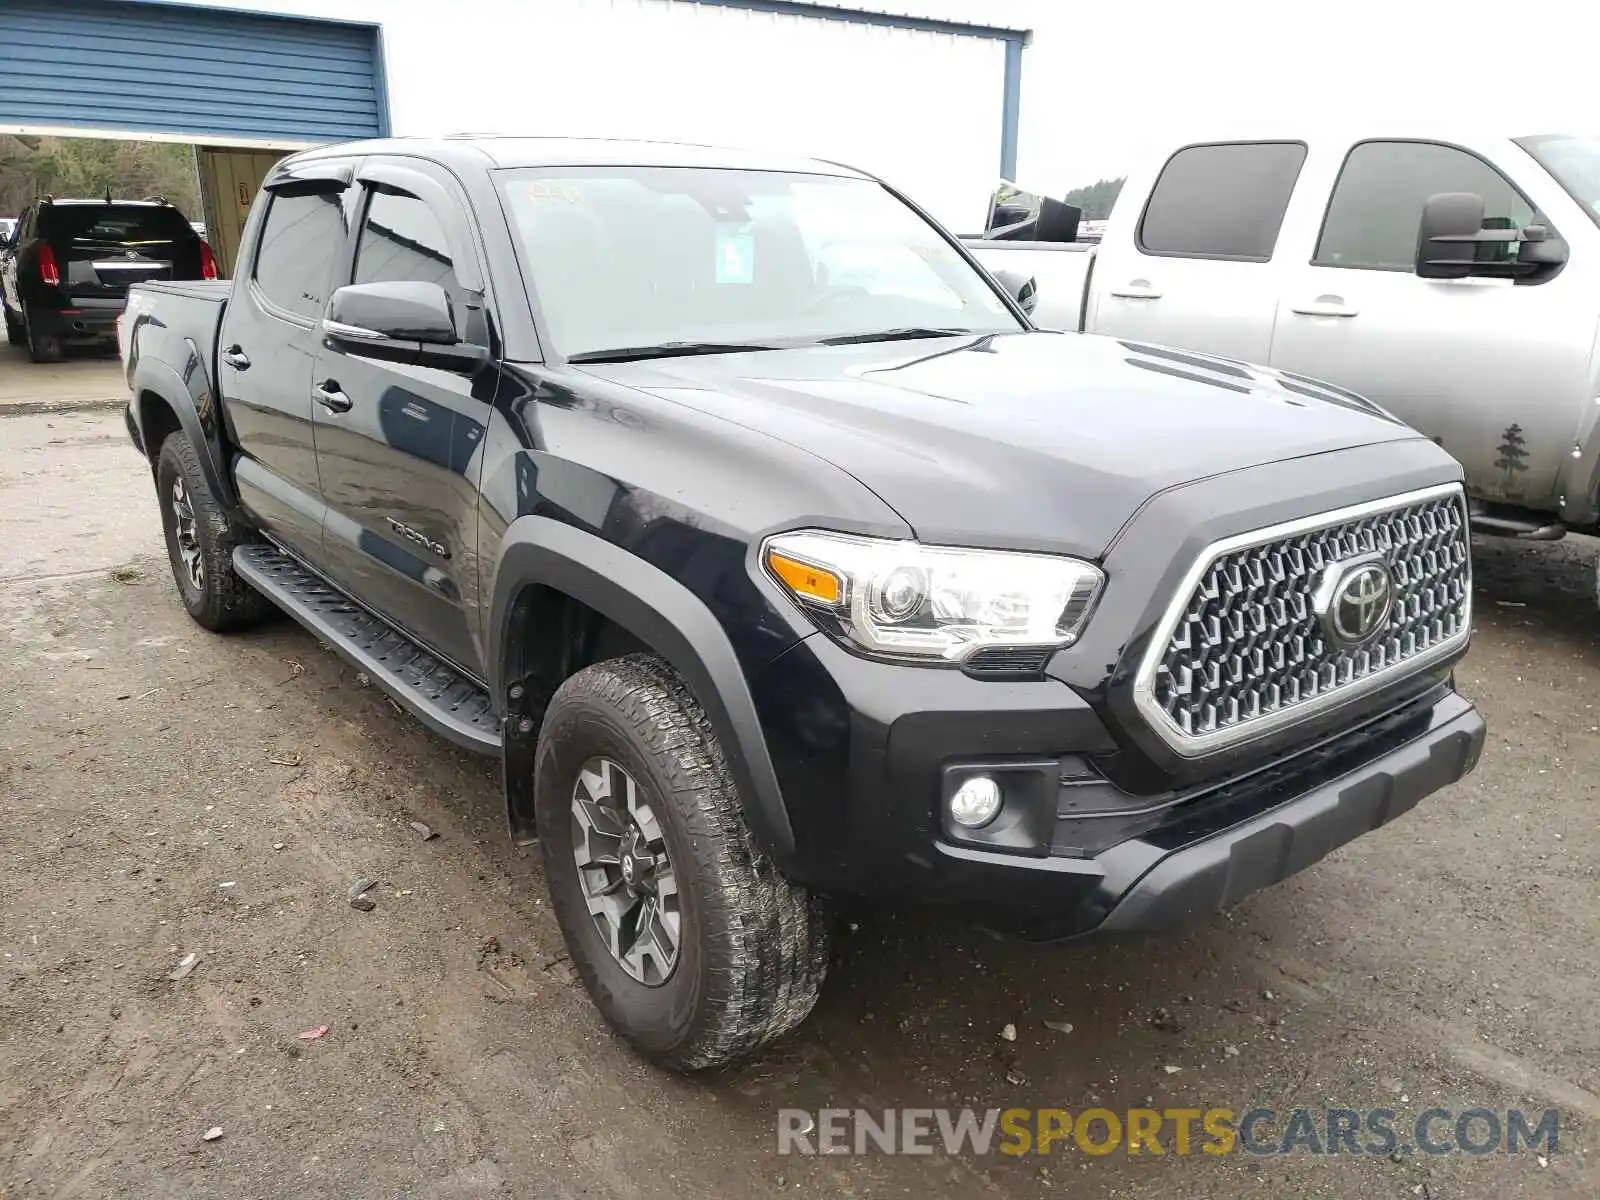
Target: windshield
(1575,163)
(628,257)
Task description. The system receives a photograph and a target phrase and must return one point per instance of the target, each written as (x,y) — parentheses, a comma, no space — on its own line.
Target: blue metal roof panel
(149,67)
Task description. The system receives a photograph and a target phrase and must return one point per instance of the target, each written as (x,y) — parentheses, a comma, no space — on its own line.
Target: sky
(1106,84)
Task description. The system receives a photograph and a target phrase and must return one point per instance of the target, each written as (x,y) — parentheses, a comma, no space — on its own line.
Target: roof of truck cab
(1345,133)
(514,152)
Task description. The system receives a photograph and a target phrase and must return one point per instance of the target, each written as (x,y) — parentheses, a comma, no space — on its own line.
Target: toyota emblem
(1353,600)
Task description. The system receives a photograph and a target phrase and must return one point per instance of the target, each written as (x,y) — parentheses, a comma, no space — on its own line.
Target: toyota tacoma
(779,558)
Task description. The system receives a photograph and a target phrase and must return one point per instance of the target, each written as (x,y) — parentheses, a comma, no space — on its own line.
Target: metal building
(930,102)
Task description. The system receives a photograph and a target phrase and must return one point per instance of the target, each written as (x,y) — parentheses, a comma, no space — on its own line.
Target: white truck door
(1494,370)
(1195,268)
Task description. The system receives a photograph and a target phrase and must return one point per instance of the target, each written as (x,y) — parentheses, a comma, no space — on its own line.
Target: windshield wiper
(904,334)
(668,350)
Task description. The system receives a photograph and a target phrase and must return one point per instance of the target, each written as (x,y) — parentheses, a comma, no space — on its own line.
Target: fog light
(976,802)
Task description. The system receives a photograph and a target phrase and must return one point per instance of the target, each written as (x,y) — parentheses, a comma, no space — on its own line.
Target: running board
(436,693)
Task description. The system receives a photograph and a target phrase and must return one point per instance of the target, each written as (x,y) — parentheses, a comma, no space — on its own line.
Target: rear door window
(301,240)
(1221,201)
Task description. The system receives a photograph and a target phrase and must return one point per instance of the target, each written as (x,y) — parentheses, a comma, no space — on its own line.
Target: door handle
(1136,289)
(328,395)
(1326,306)
(236,358)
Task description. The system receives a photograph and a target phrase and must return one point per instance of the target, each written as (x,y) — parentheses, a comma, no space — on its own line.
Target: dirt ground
(86,374)
(166,792)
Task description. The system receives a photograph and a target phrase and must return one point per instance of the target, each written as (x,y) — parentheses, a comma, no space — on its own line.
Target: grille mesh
(1248,644)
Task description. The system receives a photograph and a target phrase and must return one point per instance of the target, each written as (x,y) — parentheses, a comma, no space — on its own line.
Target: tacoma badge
(419,538)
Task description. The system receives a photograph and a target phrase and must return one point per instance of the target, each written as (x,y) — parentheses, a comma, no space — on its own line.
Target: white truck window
(1376,207)
(1225,200)
(1575,162)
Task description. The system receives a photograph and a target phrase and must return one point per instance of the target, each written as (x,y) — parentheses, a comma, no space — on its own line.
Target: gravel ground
(166,792)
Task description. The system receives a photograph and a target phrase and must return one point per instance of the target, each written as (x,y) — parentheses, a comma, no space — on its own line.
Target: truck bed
(213,290)
(188,311)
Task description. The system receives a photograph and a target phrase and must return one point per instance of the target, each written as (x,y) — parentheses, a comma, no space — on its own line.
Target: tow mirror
(1021,288)
(1455,241)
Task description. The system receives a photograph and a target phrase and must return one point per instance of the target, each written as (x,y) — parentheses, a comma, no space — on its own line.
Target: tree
(1513,451)
(87,167)
(1096,199)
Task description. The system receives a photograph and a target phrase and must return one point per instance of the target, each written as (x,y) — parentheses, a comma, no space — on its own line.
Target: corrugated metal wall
(114,65)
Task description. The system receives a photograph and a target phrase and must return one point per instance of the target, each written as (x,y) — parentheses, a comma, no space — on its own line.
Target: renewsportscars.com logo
(1181,1131)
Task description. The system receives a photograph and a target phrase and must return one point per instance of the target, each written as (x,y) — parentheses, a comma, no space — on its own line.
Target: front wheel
(690,942)
(200,542)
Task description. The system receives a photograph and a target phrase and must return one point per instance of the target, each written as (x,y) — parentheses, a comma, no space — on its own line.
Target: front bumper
(864,763)
(1193,879)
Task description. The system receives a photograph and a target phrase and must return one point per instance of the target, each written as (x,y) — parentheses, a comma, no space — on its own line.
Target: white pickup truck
(1452,279)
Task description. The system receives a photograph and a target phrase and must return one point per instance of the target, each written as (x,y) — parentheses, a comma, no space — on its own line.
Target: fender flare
(658,610)
(194,406)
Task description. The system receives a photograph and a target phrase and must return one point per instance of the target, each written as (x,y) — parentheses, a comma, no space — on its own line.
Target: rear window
(121,223)
(1221,201)
(300,241)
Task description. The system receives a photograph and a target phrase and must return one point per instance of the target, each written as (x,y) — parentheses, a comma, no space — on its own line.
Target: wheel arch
(544,562)
(164,401)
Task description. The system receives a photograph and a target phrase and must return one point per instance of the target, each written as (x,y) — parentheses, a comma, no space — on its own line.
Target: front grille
(1245,649)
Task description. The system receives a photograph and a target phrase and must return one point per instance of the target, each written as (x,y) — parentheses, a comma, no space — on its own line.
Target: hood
(1027,440)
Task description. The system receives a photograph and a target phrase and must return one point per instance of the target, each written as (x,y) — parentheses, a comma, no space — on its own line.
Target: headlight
(900,599)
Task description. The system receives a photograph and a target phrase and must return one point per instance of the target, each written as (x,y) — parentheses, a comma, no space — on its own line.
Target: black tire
(753,949)
(218,599)
(42,347)
(15,333)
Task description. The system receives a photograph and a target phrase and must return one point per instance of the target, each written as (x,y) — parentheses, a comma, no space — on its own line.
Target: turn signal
(806,581)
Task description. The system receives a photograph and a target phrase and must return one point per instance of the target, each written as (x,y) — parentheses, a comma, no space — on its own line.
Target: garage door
(121,66)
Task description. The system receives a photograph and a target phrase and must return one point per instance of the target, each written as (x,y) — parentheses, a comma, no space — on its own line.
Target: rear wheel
(200,543)
(42,347)
(690,942)
(15,333)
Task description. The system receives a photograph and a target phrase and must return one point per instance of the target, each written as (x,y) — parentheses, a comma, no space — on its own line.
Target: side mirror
(1447,240)
(1021,288)
(1453,243)
(409,322)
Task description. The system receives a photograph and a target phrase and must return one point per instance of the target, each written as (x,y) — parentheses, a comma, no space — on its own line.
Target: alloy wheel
(187,535)
(626,875)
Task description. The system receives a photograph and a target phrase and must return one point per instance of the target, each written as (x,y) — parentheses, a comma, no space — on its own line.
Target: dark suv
(67,269)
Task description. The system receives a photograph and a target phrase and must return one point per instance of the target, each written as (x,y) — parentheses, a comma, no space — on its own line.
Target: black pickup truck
(779,558)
